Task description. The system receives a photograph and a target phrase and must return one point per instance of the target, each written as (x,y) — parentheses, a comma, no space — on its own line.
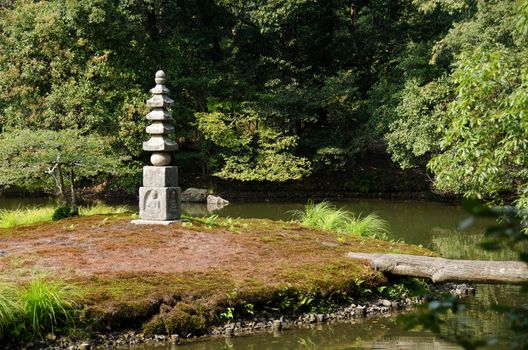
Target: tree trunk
(62,192)
(447,270)
(74,208)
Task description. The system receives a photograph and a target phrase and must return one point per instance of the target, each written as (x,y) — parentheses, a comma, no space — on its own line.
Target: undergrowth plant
(46,304)
(326,217)
(9,306)
(371,225)
(34,309)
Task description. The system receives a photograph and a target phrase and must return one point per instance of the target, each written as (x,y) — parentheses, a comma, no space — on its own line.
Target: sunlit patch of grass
(321,215)
(326,217)
(26,216)
(37,215)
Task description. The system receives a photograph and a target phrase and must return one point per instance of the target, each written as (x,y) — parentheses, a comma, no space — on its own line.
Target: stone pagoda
(160,196)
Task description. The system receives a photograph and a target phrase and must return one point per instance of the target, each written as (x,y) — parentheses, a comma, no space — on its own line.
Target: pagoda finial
(160,77)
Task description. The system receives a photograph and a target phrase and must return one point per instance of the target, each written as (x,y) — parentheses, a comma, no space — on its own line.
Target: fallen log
(447,270)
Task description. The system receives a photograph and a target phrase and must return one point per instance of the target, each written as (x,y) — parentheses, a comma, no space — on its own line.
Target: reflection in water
(195,209)
(201,209)
(14,203)
(372,333)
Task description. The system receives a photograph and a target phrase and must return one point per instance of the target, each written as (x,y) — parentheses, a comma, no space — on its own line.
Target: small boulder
(216,200)
(195,195)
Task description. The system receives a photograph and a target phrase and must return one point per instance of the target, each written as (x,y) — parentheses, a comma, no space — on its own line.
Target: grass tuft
(371,226)
(46,304)
(326,217)
(9,306)
(36,308)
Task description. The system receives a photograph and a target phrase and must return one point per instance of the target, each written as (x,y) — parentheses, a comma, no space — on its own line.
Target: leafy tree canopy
(29,158)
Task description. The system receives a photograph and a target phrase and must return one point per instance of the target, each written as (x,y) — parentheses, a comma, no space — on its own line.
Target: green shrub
(326,217)
(62,212)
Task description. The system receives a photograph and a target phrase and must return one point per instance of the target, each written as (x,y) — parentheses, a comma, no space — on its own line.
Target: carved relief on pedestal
(173,201)
(152,202)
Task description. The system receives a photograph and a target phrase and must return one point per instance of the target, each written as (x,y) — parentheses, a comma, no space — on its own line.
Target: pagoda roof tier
(159,128)
(160,143)
(160,101)
(159,114)
(160,90)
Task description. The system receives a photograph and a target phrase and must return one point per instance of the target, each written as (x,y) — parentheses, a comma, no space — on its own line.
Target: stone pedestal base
(159,203)
(155,222)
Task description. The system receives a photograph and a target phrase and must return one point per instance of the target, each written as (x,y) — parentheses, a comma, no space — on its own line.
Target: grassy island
(186,277)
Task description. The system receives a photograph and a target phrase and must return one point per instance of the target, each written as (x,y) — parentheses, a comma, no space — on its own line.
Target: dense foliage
(278,89)
(53,159)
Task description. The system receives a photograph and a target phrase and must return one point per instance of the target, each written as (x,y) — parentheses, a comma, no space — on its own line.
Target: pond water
(430,224)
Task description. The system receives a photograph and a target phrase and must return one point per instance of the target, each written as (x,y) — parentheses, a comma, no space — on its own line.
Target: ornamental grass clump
(10,307)
(47,304)
(326,217)
(371,225)
(36,308)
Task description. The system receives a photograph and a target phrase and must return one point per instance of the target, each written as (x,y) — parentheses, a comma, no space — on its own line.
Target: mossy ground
(183,278)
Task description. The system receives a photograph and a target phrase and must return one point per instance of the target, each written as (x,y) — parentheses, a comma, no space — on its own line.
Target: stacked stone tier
(161,125)
(159,128)
(159,114)
(160,143)
(160,101)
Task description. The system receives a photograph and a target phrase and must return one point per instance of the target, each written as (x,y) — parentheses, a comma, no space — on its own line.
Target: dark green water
(378,333)
(412,221)
(430,224)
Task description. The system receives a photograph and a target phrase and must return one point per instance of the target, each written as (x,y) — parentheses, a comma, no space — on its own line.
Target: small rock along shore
(244,327)
(202,277)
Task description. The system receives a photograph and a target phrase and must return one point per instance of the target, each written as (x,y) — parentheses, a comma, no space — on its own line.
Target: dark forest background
(270,91)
